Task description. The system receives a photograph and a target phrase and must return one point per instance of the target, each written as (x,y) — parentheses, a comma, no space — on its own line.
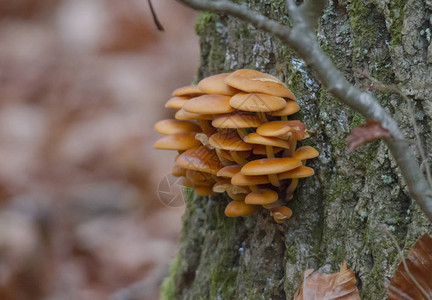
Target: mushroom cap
(229,171)
(184,115)
(305,152)
(204,190)
(222,186)
(261,149)
(186,182)
(227,155)
(257,102)
(239,209)
(282,128)
(291,108)
(200,159)
(176,102)
(240,179)
(188,90)
(267,166)
(171,126)
(229,141)
(178,141)
(281,213)
(261,197)
(236,120)
(216,85)
(209,104)
(299,172)
(178,171)
(199,178)
(252,81)
(255,138)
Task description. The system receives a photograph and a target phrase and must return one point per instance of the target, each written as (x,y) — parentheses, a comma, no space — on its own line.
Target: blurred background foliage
(81,84)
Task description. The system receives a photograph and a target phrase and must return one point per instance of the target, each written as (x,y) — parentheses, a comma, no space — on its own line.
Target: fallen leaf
(365,133)
(317,286)
(419,263)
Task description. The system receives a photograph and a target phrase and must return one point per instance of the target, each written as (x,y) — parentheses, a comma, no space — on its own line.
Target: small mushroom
(189,90)
(240,179)
(261,197)
(270,167)
(229,140)
(176,102)
(238,121)
(178,141)
(259,103)
(200,159)
(239,209)
(291,108)
(252,81)
(209,104)
(204,190)
(216,85)
(269,143)
(292,131)
(280,214)
(304,153)
(199,178)
(171,126)
(229,171)
(178,171)
(300,172)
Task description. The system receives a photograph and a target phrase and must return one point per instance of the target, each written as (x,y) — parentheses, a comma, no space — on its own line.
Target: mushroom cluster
(233,135)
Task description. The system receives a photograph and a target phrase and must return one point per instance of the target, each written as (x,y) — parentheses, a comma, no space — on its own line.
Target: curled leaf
(317,286)
(365,133)
(417,282)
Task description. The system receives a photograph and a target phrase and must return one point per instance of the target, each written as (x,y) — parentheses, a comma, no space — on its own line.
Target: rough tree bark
(337,214)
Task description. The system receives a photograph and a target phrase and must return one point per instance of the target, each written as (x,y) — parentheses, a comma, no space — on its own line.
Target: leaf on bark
(317,286)
(365,133)
(419,263)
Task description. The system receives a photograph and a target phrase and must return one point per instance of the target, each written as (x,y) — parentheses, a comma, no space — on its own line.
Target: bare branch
(241,12)
(312,10)
(304,42)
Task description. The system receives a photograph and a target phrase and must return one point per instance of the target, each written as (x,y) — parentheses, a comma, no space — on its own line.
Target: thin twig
(395,89)
(384,228)
(155,17)
(303,41)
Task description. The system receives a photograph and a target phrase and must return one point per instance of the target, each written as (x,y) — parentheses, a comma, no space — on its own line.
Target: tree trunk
(338,213)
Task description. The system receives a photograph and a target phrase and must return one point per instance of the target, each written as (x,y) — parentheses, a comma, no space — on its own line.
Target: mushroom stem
(269,151)
(284,118)
(205,126)
(291,188)
(274,179)
(241,132)
(293,143)
(253,188)
(237,158)
(262,116)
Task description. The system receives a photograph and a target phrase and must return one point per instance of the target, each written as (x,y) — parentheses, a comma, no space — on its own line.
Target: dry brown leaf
(365,133)
(419,263)
(317,286)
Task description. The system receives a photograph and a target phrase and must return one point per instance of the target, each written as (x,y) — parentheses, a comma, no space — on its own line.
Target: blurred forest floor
(81,84)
